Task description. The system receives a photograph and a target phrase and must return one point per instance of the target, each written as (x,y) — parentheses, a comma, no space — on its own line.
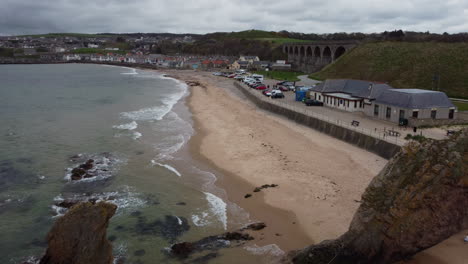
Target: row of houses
(414,107)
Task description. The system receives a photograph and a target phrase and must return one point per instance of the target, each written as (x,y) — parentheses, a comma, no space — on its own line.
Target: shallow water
(133,123)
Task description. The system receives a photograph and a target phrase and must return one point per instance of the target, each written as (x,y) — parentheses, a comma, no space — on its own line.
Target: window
(433,114)
(388,114)
(320,97)
(451,113)
(402,114)
(355,104)
(341,102)
(348,103)
(415,114)
(376,110)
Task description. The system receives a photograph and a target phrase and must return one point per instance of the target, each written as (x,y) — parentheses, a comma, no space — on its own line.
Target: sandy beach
(321,179)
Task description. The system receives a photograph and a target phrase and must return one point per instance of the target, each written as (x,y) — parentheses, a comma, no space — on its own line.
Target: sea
(135,125)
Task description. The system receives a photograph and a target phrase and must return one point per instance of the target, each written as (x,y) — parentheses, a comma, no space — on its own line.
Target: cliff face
(418,200)
(79,237)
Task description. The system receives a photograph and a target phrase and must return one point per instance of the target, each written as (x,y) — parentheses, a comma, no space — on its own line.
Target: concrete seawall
(380,147)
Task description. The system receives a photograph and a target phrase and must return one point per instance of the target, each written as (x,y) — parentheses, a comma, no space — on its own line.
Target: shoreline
(279,231)
(277,207)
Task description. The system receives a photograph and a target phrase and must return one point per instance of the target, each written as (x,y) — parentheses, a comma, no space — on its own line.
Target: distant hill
(406,65)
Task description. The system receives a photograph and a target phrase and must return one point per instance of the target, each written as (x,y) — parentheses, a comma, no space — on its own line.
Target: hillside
(406,65)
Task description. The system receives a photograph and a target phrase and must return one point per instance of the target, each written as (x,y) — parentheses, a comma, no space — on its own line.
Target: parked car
(266,92)
(232,75)
(281,83)
(276,94)
(261,87)
(283,88)
(238,77)
(312,102)
(217,74)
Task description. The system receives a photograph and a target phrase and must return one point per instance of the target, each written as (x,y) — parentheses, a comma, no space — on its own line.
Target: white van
(257,77)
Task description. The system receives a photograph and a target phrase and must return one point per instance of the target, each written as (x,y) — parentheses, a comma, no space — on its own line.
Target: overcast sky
(203,16)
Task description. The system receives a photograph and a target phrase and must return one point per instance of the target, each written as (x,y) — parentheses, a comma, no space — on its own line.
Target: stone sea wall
(380,147)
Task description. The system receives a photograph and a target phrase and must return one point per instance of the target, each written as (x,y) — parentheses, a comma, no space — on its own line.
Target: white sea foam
(167,167)
(170,146)
(124,199)
(271,249)
(218,207)
(179,221)
(136,135)
(104,166)
(158,112)
(133,72)
(200,220)
(129,126)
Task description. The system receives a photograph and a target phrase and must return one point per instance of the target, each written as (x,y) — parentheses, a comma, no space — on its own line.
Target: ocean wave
(170,146)
(167,167)
(201,219)
(133,72)
(158,112)
(271,249)
(218,207)
(125,199)
(136,135)
(129,126)
(105,165)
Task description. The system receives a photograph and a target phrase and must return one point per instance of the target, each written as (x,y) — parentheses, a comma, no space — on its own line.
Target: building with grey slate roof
(379,100)
(414,105)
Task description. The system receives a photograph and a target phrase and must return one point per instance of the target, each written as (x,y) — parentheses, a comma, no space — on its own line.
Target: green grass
(405,65)
(281,75)
(97,51)
(461,106)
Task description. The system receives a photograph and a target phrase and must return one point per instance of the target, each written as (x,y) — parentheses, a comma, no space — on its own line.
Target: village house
(379,100)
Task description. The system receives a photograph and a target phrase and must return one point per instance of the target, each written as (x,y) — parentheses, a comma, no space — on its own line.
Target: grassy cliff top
(406,65)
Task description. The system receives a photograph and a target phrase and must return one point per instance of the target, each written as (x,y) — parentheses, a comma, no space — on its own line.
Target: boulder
(80,236)
(418,200)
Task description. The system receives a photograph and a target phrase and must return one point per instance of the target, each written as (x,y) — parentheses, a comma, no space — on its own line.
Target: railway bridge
(313,56)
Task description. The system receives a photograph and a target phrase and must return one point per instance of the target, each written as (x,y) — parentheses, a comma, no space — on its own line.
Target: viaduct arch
(312,57)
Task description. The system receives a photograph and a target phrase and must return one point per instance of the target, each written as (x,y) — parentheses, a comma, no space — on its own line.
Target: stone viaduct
(312,57)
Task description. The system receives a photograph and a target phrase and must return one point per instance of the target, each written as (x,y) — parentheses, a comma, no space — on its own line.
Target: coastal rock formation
(79,236)
(418,200)
(214,243)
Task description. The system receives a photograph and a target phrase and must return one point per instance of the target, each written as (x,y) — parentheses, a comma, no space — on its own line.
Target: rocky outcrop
(418,200)
(79,237)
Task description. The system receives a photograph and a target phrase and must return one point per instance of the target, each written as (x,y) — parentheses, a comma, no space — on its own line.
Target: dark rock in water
(112,238)
(247,195)
(139,152)
(181,203)
(257,189)
(204,259)
(135,213)
(140,252)
(182,250)
(80,236)
(237,236)
(119,228)
(255,226)
(418,200)
(170,228)
(210,243)
(66,204)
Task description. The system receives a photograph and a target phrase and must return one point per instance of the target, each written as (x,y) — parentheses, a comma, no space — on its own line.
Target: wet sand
(320,178)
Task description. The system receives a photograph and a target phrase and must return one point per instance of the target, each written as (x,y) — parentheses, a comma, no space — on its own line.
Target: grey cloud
(183,16)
